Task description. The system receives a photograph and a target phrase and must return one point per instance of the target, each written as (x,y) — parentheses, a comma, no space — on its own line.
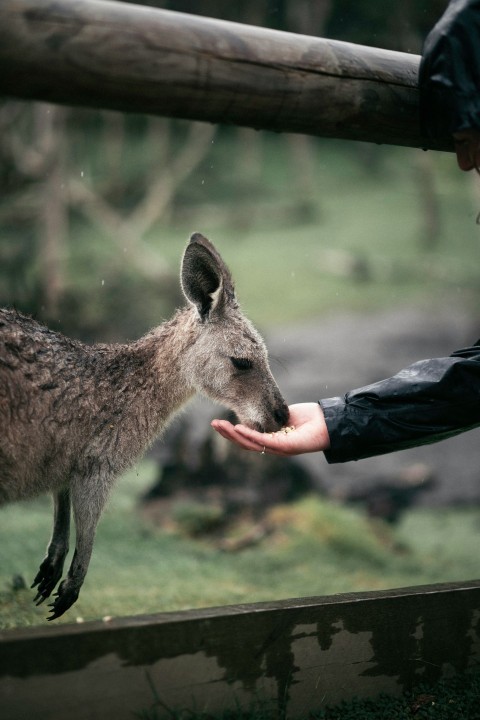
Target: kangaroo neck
(167,387)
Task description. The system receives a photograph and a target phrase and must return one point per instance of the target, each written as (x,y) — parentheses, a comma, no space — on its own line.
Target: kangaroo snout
(281,415)
(272,419)
(278,418)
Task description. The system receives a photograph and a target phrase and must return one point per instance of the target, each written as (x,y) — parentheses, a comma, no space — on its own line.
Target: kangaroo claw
(64,599)
(47,578)
(39,598)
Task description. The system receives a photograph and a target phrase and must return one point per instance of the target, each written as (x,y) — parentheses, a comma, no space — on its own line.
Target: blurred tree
(362,21)
(128,216)
(406,20)
(32,157)
(369,22)
(306,17)
(62,169)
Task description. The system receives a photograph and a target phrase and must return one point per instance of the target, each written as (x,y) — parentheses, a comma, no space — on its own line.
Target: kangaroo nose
(281,415)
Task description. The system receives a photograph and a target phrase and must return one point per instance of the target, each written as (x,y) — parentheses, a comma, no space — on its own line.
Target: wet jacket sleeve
(449,76)
(426,402)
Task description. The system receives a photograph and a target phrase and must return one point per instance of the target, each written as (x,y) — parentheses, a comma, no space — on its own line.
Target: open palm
(309,433)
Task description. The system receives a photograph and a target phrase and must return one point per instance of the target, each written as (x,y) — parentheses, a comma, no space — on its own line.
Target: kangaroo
(74,416)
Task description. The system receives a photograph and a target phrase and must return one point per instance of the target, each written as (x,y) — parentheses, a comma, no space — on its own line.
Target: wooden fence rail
(132,58)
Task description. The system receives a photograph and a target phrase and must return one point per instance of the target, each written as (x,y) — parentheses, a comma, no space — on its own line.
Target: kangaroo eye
(241,363)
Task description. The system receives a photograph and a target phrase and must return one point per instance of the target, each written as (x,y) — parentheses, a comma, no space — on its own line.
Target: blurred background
(352,259)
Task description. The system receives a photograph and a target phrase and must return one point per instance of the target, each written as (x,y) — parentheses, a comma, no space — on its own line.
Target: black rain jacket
(449,77)
(428,401)
(432,399)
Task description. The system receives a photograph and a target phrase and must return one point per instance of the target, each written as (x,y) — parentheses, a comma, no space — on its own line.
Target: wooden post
(132,58)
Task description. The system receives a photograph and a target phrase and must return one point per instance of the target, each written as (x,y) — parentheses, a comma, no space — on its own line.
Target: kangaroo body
(73,416)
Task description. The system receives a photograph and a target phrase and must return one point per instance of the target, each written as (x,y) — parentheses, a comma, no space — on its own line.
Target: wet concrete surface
(296,655)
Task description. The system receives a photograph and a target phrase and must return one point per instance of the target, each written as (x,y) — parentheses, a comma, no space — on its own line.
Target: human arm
(426,402)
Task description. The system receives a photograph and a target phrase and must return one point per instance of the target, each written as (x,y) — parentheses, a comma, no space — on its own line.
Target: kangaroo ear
(206,280)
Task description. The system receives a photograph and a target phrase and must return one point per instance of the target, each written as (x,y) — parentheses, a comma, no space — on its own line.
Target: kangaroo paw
(47,578)
(64,599)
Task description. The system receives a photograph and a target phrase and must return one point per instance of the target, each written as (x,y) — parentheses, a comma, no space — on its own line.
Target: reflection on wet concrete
(296,655)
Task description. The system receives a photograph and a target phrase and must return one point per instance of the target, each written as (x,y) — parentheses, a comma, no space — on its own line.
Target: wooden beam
(126,57)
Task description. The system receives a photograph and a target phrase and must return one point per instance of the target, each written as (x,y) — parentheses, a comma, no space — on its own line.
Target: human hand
(467,148)
(310,433)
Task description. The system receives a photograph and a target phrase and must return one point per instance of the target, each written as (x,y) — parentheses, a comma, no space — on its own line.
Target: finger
(226,430)
(271,440)
(277,443)
(221,425)
(264,449)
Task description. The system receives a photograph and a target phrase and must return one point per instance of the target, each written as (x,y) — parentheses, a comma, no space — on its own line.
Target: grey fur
(73,416)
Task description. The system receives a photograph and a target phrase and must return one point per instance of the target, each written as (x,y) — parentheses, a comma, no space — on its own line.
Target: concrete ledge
(296,654)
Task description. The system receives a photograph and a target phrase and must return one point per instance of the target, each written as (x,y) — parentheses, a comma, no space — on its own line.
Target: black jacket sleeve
(449,77)
(428,401)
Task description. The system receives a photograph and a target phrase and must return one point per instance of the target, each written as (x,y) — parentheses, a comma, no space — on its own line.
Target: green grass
(316,548)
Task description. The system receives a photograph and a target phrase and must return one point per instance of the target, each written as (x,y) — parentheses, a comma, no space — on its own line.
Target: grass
(317,548)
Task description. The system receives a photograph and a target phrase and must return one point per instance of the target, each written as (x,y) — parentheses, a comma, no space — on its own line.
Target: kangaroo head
(228,360)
